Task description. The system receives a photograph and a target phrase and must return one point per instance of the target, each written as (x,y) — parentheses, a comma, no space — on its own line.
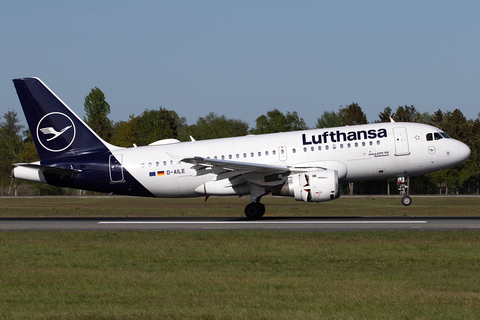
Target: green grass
(239,275)
(233,207)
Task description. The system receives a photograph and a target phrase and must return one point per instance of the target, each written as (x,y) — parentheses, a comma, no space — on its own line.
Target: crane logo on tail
(56,132)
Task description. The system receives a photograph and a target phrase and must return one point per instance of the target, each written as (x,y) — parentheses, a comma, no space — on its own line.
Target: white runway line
(262,222)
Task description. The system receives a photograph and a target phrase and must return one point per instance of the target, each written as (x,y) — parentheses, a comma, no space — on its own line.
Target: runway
(229,223)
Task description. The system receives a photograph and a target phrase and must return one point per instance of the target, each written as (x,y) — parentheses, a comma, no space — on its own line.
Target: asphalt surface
(229,223)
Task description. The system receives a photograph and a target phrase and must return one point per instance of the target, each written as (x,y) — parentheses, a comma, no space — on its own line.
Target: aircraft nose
(463,151)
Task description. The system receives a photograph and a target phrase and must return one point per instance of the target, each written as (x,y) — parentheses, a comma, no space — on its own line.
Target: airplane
(306,165)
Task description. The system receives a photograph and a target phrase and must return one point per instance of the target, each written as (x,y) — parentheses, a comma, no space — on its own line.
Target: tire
(406,200)
(254,210)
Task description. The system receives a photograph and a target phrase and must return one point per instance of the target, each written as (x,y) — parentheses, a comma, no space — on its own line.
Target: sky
(244,58)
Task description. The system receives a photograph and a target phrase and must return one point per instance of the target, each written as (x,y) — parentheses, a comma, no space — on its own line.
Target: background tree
(154,125)
(353,115)
(425,118)
(437,119)
(385,115)
(10,145)
(405,114)
(473,164)
(330,119)
(214,126)
(28,151)
(125,133)
(96,114)
(276,121)
(456,125)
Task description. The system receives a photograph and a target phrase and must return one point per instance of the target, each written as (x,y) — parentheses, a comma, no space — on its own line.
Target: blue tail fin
(56,129)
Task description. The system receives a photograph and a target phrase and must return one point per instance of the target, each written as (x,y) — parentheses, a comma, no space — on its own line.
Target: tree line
(16,143)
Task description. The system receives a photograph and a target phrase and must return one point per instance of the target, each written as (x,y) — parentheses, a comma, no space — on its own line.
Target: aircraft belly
(175,186)
(359,169)
(188,184)
(162,186)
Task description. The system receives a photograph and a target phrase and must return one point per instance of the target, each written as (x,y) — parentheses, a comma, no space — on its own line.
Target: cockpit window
(437,135)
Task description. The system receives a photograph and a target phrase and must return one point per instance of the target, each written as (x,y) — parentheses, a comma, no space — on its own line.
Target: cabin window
(238,156)
(259,154)
(349,145)
(157,163)
(143,165)
(251,154)
(149,164)
(293,150)
(229,156)
(326,147)
(305,149)
(378,142)
(334,146)
(274,152)
(356,144)
(223,157)
(341,145)
(215,157)
(312,148)
(371,143)
(363,144)
(244,155)
(266,153)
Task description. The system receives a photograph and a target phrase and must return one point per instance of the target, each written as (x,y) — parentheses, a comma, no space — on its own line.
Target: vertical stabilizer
(56,129)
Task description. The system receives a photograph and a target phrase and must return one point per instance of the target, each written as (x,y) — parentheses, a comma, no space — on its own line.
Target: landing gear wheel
(254,210)
(406,200)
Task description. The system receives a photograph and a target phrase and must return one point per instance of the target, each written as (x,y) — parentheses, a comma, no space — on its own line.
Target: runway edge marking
(262,222)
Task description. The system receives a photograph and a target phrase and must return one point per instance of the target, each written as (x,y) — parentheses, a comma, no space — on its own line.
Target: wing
(240,172)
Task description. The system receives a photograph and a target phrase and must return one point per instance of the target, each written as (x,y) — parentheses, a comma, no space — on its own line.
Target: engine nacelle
(314,186)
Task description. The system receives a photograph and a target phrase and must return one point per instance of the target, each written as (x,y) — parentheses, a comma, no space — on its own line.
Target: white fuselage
(366,152)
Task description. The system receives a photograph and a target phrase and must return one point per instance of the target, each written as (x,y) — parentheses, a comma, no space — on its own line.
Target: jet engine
(314,186)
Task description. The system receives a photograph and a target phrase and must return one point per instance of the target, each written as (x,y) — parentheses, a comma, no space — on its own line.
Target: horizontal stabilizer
(48,169)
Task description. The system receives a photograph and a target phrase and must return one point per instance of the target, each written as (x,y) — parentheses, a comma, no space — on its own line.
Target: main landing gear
(255,209)
(406,200)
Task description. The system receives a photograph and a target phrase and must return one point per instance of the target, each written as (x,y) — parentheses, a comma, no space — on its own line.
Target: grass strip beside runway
(239,275)
(234,207)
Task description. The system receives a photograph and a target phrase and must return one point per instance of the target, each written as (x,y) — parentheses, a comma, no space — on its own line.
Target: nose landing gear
(402,187)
